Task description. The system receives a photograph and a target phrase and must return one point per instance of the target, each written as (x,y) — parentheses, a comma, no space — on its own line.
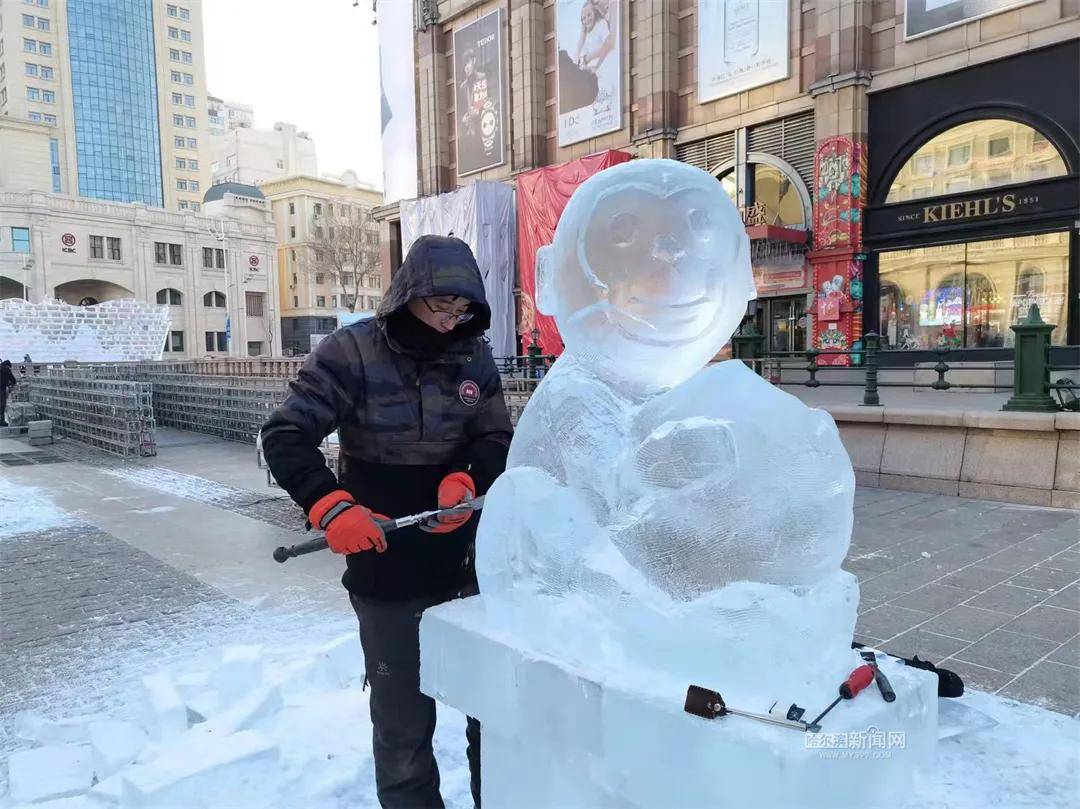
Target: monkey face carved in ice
(649,273)
(684,507)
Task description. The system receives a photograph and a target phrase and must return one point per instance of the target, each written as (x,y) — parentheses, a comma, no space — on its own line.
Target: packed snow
(26,509)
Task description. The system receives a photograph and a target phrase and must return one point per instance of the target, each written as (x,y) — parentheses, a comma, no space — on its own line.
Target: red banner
(542,195)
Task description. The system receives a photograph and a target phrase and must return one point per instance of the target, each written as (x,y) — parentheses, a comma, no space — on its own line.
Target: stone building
(224,115)
(242,154)
(850,133)
(215,271)
(313,301)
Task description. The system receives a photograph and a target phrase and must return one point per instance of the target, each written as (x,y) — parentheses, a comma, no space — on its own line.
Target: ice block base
(561,735)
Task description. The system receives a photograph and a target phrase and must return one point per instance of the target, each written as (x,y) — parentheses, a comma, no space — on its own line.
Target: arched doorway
(88,292)
(768,191)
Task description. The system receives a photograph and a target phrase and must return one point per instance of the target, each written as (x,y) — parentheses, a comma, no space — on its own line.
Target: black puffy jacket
(406,416)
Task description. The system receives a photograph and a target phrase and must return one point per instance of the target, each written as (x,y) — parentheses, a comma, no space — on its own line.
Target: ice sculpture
(660,523)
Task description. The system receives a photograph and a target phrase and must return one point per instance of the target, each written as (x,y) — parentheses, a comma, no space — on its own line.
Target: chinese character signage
(589,68)
(478,94)
(741,44)
(922,17)
(839,169)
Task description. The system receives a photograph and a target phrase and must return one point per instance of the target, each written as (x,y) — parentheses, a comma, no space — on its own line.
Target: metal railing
(527,366)
(1032,384)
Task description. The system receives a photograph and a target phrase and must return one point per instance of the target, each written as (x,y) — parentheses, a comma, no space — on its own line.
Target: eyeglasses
(446,317)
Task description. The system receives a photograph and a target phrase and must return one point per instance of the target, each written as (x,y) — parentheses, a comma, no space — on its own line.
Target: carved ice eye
(624,228)
(701,225)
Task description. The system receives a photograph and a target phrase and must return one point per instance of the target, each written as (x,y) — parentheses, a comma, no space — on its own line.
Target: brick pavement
(987,589)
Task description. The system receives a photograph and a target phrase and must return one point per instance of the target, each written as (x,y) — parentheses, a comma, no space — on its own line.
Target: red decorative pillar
(836,257)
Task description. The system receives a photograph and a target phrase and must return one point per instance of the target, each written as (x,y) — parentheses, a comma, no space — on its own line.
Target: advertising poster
(741,44)
(589,44)
(478,94)
(395,22)
(922,17)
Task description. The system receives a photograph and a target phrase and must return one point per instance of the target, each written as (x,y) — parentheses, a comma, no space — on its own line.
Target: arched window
(214,299)
(1031,281)
(977,155)
(169,297)
(768,193)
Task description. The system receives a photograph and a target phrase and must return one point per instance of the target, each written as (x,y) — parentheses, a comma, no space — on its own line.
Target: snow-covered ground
(282,721)
(16,518)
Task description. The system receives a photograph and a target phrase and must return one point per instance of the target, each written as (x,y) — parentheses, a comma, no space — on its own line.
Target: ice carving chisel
(856,682)
(883,684)
(282,553)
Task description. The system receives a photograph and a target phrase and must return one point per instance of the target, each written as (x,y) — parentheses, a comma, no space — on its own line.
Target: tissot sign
(1047,199)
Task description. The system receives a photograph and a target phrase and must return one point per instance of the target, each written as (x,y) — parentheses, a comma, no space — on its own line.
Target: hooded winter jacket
(410,406)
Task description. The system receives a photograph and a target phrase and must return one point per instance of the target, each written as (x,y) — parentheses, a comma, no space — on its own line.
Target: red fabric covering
(541,196)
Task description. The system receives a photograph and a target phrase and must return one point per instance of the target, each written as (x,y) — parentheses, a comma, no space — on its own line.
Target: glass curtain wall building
(114,94)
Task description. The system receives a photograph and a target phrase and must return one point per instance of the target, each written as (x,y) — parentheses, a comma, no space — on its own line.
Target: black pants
(402,718)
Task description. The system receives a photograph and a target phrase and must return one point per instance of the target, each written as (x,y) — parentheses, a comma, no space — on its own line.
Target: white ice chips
(691,520)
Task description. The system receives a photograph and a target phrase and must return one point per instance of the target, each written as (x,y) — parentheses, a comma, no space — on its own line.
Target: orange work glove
(350,528)
(455,488)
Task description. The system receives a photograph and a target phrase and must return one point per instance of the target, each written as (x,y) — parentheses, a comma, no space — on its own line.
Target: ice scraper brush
(283,553)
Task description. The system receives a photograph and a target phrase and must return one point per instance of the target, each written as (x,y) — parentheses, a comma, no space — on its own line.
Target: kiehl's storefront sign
(1047,199)
(987,206)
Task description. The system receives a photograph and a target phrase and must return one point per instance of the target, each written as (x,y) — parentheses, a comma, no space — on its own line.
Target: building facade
(246,155)
(833,124)
(225,115)
(121,86)
(217,274)
(313,301)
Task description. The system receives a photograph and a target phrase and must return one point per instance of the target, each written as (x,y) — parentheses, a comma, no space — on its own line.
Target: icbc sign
(253,262)
(68,240)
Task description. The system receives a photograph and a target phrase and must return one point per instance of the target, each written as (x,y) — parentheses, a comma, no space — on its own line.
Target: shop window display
(968,295)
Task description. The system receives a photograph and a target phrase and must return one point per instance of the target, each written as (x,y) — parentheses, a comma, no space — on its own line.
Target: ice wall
(53,331)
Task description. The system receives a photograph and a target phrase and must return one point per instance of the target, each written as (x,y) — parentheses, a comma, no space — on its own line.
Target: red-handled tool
(856,682)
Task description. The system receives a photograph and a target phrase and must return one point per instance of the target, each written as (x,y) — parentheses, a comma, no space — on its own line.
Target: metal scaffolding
(233,407)
(113,416)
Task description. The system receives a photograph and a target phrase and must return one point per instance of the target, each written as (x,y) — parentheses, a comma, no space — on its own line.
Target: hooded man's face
(440,312)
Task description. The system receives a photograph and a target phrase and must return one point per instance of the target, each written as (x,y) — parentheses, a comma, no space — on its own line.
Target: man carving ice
(417,401)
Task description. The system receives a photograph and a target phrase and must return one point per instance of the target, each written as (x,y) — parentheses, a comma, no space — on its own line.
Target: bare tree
(343,244)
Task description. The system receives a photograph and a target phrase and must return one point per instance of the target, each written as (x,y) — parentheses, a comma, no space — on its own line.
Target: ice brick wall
(53,331)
